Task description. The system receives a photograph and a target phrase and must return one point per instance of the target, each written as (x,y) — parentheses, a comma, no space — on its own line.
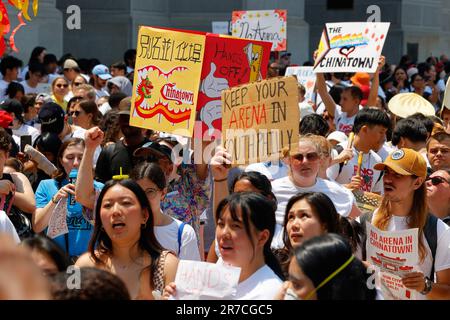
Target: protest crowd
(132,211)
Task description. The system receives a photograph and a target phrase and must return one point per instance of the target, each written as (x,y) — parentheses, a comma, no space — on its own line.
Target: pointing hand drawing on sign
(212,86)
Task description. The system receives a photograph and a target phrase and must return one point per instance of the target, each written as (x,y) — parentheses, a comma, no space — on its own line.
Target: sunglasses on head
(435,181)
(310,156)
(62,85)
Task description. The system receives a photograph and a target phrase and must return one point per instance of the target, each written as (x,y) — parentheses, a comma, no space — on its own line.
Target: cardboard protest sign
(166,80)
(264,25)
(305,77)
(205,281)
(394,254)
(351,47)
(259,119)
(228,62)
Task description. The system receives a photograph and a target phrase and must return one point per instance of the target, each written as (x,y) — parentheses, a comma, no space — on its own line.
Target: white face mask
(291,295)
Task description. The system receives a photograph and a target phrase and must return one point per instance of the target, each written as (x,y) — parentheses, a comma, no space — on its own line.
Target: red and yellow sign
(167,78)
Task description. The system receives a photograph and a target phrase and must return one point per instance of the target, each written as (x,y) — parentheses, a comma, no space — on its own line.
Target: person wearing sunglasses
(60,88)
(85,114)
(438,150)
(438,194)
(403,207)
(303,177)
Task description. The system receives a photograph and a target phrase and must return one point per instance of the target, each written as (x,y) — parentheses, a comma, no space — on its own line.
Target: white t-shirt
(3,86)
(264,284)
(104,108)
(101,93)
(343,122)
(6,227)
(25,130)
(284,189)
(168,238)
(385,150)
(442,258)
(370,176)
(272,170)
(29,89)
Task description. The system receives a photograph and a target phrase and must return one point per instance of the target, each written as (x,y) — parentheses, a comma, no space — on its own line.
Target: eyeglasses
(310,156)
(62,85)
(151,192)
(435,181)
(74,113)
(67,69)
(76,84)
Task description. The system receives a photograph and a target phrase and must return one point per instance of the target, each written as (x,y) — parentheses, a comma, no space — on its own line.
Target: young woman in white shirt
(245,223)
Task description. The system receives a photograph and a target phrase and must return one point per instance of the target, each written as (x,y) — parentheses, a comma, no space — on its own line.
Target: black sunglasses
(76,113)
(435,181)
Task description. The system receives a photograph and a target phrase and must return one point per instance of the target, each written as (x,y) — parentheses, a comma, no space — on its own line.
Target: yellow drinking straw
(120,176)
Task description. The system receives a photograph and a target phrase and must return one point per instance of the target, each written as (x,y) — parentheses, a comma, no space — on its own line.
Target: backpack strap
(180,234)
(430,232)
(339,149)
(365,217)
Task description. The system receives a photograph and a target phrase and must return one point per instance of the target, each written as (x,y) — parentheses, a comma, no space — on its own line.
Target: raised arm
(219,168)
(323,92)
(372,100)
(84,188)
(24,195)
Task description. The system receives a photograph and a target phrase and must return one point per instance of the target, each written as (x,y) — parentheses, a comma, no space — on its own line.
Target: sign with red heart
(351,47)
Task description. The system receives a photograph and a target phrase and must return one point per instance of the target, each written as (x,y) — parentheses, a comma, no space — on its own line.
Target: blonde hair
(309,138)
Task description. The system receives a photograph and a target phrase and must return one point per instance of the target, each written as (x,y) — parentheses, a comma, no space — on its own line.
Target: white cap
(339,136)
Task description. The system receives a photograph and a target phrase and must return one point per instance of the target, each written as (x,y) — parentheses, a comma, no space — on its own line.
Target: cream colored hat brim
(446,101)
(406,104)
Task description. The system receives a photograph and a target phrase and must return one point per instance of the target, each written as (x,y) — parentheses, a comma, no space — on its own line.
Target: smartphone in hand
(24,140)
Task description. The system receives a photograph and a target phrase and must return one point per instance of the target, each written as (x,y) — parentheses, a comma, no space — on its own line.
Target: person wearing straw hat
(404,206)
(403,105)
(444,114)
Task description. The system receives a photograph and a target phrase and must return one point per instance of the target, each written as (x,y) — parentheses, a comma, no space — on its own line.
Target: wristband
(221,180)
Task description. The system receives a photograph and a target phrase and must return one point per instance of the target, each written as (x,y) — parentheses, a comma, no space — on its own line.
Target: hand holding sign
(212,86)
(203,280)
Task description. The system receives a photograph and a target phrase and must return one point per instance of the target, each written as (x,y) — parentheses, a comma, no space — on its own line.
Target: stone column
(46,30)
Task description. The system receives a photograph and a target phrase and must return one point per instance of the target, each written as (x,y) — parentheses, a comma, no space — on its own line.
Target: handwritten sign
(259,119)
(58,221)
(351,46)
(305,77)
(205,281)
(228,62)
(166,80)
(264,25)
(394,254)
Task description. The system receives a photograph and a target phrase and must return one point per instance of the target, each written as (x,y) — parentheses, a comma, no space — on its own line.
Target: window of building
(339,5)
